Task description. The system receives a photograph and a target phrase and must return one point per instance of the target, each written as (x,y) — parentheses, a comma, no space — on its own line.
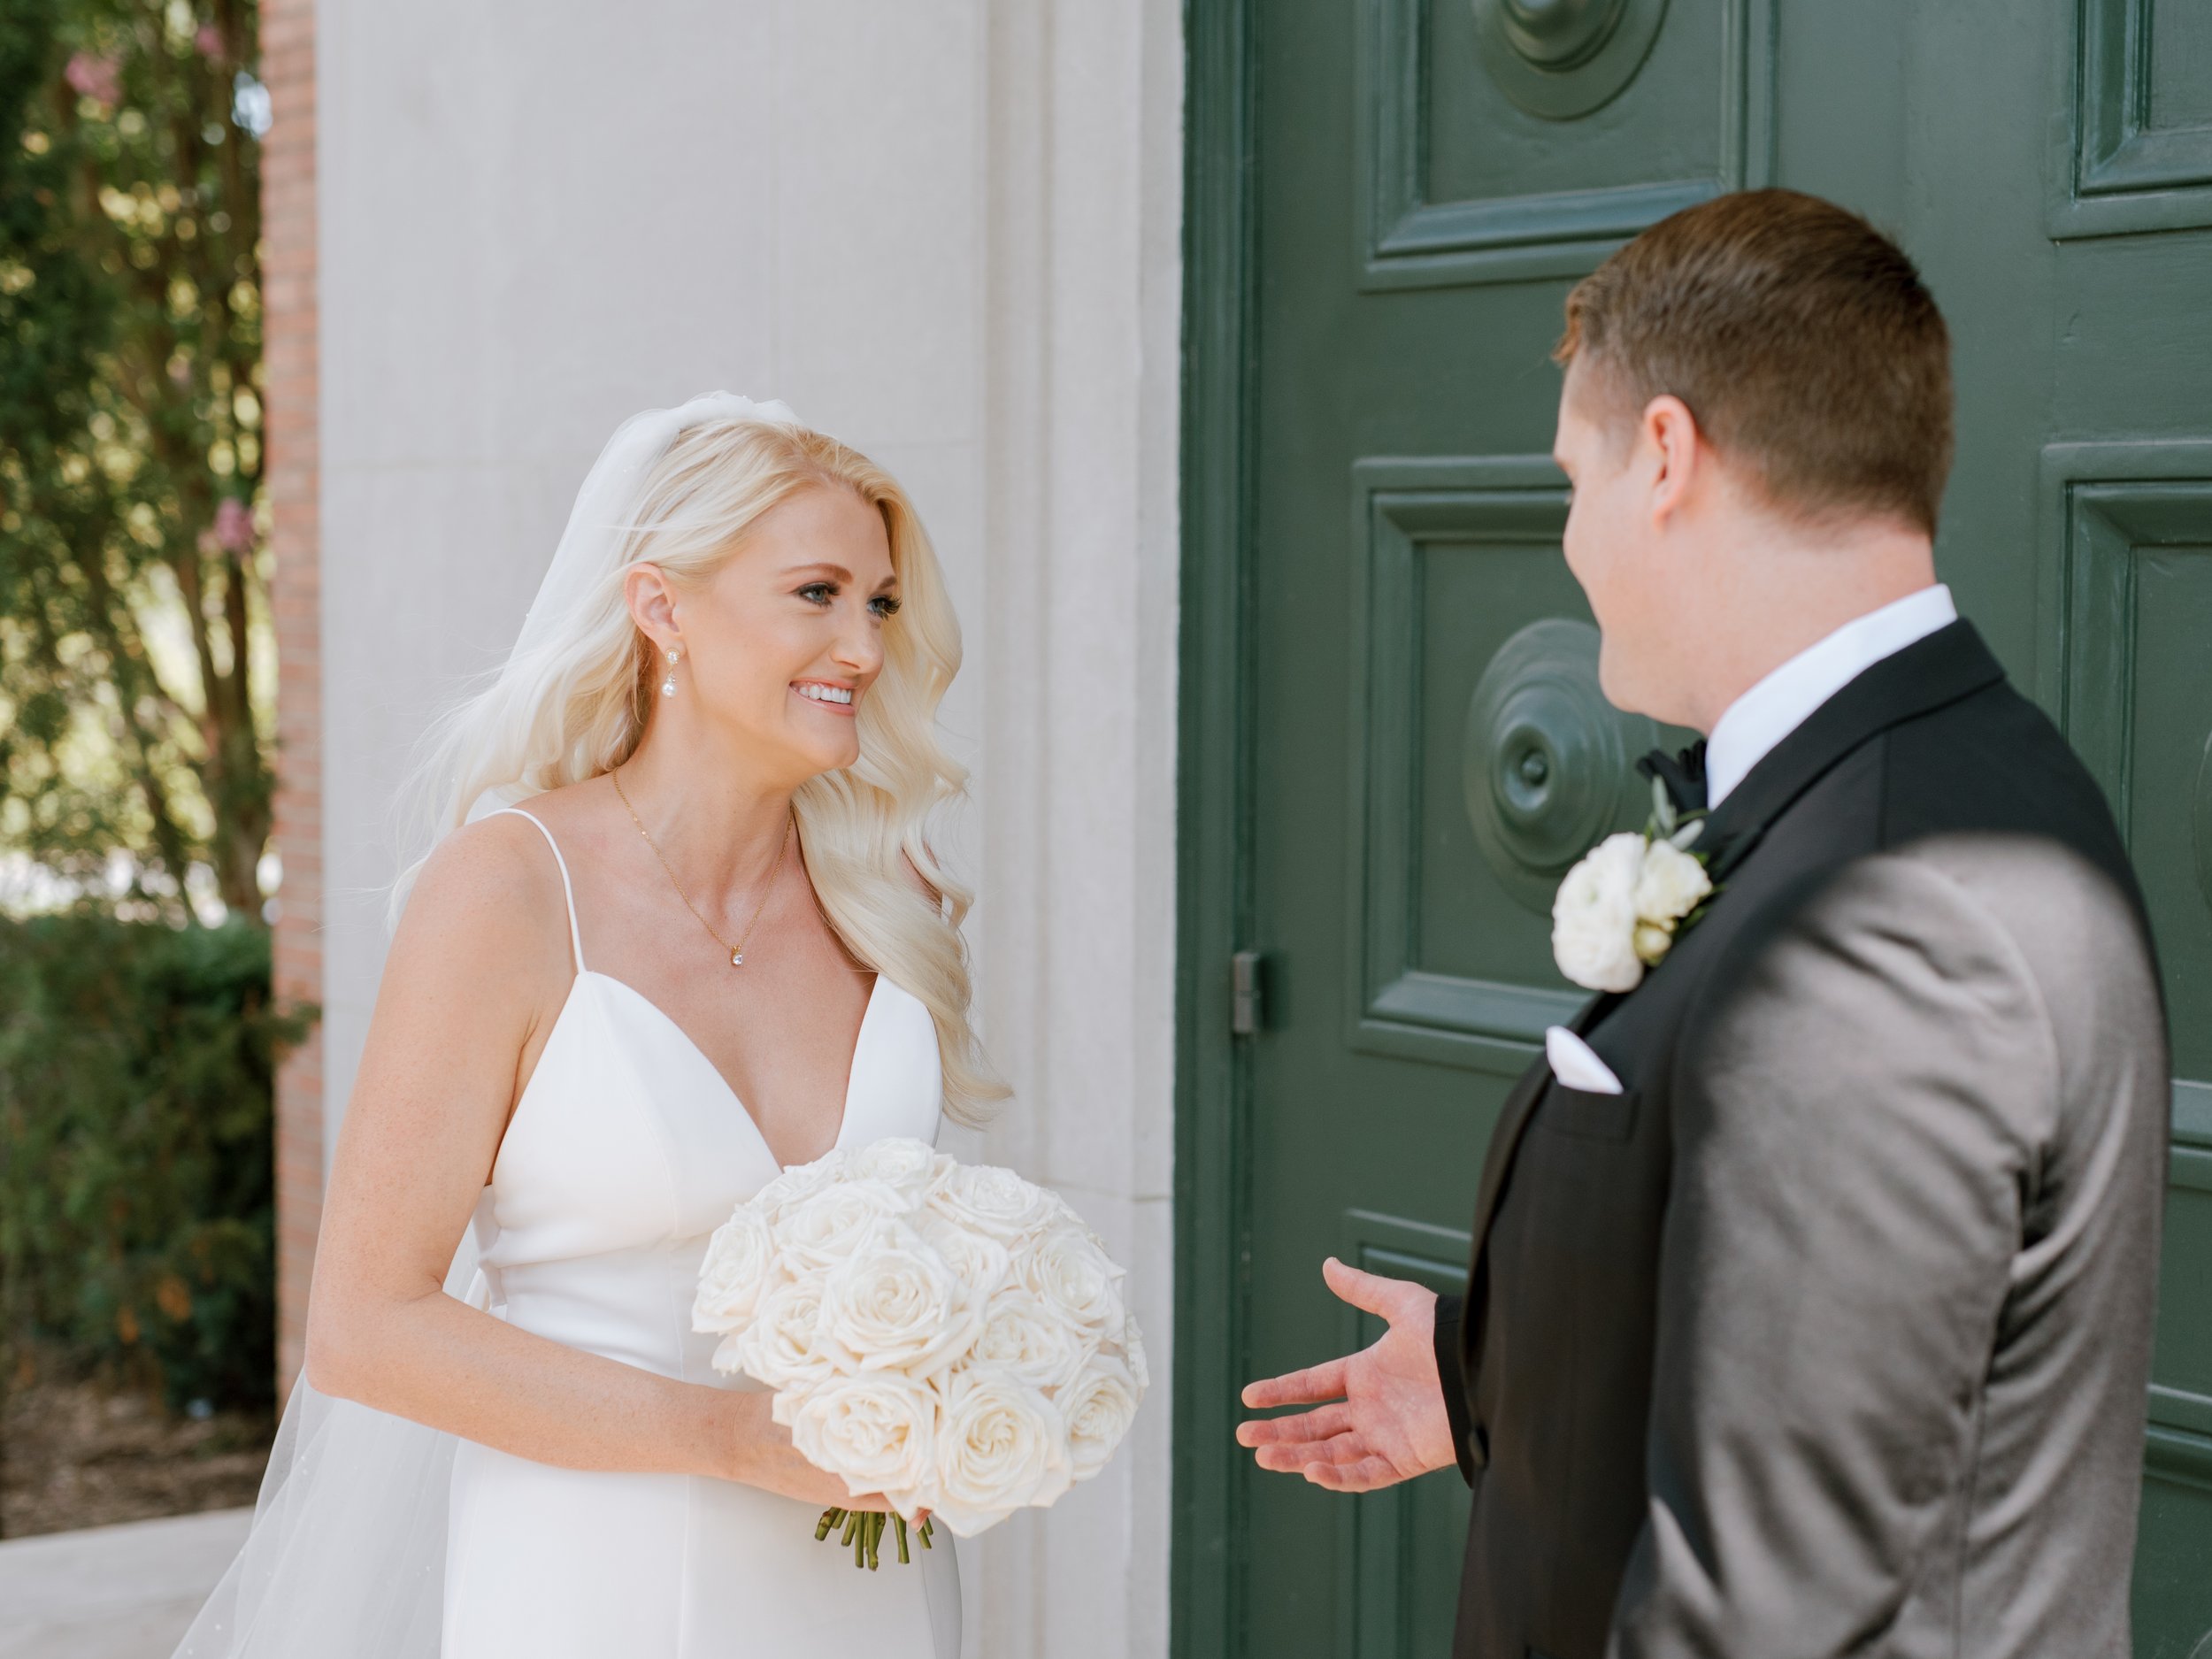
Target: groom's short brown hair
(1800,337)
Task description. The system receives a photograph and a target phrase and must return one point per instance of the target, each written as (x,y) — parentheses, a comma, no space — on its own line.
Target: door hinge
(1247,1005)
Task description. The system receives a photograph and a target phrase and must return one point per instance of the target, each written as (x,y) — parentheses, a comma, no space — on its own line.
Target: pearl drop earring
(668,686)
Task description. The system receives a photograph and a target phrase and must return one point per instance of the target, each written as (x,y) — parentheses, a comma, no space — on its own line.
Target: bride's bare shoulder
(490,896)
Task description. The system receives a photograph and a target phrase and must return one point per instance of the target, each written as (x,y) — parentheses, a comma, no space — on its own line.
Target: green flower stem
(863,1532)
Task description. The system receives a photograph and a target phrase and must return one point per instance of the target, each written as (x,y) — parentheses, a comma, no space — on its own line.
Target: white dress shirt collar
(1777,705)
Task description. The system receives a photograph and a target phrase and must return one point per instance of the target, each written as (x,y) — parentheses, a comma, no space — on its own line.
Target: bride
(712,944)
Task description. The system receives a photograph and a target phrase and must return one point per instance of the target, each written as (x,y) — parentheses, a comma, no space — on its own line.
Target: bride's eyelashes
(883,605)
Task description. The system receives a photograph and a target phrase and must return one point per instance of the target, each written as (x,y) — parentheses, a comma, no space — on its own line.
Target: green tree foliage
(135,671)
(136,1198)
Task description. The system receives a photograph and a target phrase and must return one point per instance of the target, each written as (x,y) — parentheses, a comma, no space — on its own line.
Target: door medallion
(1546,764)
(1563,59)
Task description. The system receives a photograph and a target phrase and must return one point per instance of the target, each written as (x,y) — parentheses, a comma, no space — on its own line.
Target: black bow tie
(1682,774)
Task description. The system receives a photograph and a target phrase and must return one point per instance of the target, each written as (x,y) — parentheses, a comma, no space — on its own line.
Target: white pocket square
(1573,1063)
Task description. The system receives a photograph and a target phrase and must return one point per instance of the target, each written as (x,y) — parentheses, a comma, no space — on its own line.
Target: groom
(1813,1316)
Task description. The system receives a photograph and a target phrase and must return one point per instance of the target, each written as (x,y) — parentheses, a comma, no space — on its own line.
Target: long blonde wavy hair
(572,703)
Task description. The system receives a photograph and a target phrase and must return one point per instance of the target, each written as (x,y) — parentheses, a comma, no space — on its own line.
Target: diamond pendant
(737,958)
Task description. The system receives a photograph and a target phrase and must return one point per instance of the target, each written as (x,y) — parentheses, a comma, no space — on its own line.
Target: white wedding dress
(375,1536)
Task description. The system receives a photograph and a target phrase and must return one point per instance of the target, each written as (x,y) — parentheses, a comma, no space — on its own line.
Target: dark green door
(1393,740)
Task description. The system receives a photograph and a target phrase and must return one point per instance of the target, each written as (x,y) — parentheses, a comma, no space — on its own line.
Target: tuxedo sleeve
(1855,1104)
(1451,1377)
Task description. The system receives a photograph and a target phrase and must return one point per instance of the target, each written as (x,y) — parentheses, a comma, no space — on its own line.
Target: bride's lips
(827,696)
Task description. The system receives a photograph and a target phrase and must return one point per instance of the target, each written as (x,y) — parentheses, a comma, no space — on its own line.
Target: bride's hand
(763,1457)
(1381,1418)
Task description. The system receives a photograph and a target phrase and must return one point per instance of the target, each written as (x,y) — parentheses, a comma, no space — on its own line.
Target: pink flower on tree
(94,77)
(209,41)
(233,525)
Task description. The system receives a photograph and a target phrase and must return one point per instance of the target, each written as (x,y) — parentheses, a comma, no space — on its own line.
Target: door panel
(1458,113)
(2126,636)
(1481,756)
(2127,568)
(1421,747)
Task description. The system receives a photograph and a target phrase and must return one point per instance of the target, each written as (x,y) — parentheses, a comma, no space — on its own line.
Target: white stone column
(949,232)
(1075,932)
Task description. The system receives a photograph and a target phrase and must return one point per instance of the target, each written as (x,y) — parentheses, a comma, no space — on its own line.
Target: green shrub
(136,1160)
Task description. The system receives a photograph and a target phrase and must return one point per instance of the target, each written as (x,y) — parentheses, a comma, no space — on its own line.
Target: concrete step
(120,1592)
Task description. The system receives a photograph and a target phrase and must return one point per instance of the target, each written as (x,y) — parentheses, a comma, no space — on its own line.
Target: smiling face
(782,642)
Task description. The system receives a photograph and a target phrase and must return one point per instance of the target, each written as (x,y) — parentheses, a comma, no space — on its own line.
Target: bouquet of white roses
(948,1335)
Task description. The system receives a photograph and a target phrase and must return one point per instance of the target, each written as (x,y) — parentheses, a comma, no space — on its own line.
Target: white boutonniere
(1620,911)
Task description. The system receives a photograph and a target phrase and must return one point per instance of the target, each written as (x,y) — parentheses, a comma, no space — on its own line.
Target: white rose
(899,1161)
(797,1184)
(878,1432)
(739,1268)
(1073,1277)
(979,1261)
(782,1347)
(1131,1346)
(1653,942)
(1063,1211)
(1670,885)
(729,1352)
(1026,1340)
(1099,1406)
(894,1303)
(990,1200)
(819,1233)
(1594,916)
(1001,1445)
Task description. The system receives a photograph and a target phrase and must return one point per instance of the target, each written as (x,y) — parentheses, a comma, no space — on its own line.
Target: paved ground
(121,1591)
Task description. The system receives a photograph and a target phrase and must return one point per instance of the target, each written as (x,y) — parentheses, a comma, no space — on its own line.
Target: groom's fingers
(1366,1475)
(1370,1292)
(1308,1387)
(1295,1459)
(1307,1425)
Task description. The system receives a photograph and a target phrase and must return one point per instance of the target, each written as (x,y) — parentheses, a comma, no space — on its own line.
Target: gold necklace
(737,951)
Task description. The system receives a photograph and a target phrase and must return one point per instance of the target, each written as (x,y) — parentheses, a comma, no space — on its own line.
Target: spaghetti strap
(575,937)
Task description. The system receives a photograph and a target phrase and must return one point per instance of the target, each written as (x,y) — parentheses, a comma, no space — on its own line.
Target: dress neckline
(576,947)
(688,1044)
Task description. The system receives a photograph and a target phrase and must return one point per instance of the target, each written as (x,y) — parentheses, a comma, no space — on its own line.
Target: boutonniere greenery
(1620,911)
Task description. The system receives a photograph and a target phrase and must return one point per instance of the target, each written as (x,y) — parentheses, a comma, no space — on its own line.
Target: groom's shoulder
(1994,764)
(1984,795)
(1988,795)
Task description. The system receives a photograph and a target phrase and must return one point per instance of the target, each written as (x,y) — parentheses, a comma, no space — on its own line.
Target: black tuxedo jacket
(1832,1334)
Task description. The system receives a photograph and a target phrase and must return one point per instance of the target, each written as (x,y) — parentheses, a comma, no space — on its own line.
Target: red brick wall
(288,220)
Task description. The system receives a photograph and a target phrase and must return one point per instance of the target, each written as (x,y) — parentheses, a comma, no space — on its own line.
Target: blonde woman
(677,928)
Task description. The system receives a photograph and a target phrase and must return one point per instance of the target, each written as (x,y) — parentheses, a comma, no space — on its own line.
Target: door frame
(1214,794)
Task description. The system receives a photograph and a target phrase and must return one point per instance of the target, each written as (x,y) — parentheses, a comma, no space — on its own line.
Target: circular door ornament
(1562,59)
(1546,764)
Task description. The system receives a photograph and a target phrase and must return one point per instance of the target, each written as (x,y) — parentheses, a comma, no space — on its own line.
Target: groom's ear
(1675,454)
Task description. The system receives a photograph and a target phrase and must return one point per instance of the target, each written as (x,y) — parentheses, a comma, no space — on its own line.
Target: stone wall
(948,231)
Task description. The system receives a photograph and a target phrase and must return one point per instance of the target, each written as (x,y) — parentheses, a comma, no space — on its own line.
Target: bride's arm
(477,969)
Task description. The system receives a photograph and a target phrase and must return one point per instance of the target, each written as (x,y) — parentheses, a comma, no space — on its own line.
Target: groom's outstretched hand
(1381,1416)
